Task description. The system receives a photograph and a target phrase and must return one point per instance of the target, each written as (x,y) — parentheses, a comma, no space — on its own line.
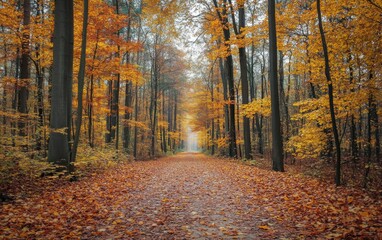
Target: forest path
(192,196)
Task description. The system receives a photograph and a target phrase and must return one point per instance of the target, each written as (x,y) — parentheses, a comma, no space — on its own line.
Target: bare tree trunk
(90,111)
(59,149)
(277,144)
(330,95)
(81,79)
(136,108)
(244,86)
(228,65)
(69,68)
(128,91)
(223,74)
(23,92)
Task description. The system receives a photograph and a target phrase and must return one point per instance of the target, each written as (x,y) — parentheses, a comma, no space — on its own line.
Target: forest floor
(191,196)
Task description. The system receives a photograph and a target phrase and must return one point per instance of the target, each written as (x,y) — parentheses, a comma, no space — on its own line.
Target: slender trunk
(69,68)
(4,102)
(353,129)
(81,79)
(128,91)
(108,135)
(23,93)
(136,109)
(223,74)
(330,95)
(259,118)
(115,100)
(228,65)
(369,143)
(164,143)
(212,120)
(174,147)
(169,119)
(90,93)
(244,86)
(239,151)
(90,111)
(40,92)
(15,96)
(154,100)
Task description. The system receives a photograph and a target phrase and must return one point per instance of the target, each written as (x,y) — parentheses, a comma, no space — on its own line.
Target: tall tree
(330,95)
(81,79)
(59,149)
(228,66)
(239,31)
(23,92)
(244,83)
(128,89)
(277,144)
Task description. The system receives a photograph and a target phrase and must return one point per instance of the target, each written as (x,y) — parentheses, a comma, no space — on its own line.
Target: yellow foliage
(309,143)
(222,142)
(258,106)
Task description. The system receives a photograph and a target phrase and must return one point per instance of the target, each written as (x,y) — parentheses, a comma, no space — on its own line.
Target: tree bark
(228,65)
(277,144)
(128,91)
(23,92)
(81,79)
(330,95)
(59,149)
(244,85)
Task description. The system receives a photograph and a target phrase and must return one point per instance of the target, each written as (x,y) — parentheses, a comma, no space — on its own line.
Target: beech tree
(61,115)
(277,145)
(24,82)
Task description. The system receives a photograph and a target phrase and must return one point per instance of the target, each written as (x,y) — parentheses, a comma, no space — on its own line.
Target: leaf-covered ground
(190,196)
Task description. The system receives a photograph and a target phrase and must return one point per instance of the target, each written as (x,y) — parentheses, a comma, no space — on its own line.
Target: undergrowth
(23,173)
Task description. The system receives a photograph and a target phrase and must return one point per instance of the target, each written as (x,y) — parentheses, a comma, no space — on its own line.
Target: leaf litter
(194,197)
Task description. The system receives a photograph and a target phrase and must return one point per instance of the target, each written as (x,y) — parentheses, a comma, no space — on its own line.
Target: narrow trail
(191,196)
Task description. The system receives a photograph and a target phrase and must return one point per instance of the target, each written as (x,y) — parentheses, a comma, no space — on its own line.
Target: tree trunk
(330,95)
(4,100)
(223,74)
(23,92)
(136,108)
(108,135)
(228,65)
(59,150)
(369,143)
(277,144)
(154,99)
(81,79)
(353,129)
(244,86)
(174,147)
(90,111)
(128,92)
(164,143)
(69,68)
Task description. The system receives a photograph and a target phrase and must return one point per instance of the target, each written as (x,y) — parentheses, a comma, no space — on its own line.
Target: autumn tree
(23,91)
(330,95)
(222,14)
(81,79)
(277,146)
(60,121)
